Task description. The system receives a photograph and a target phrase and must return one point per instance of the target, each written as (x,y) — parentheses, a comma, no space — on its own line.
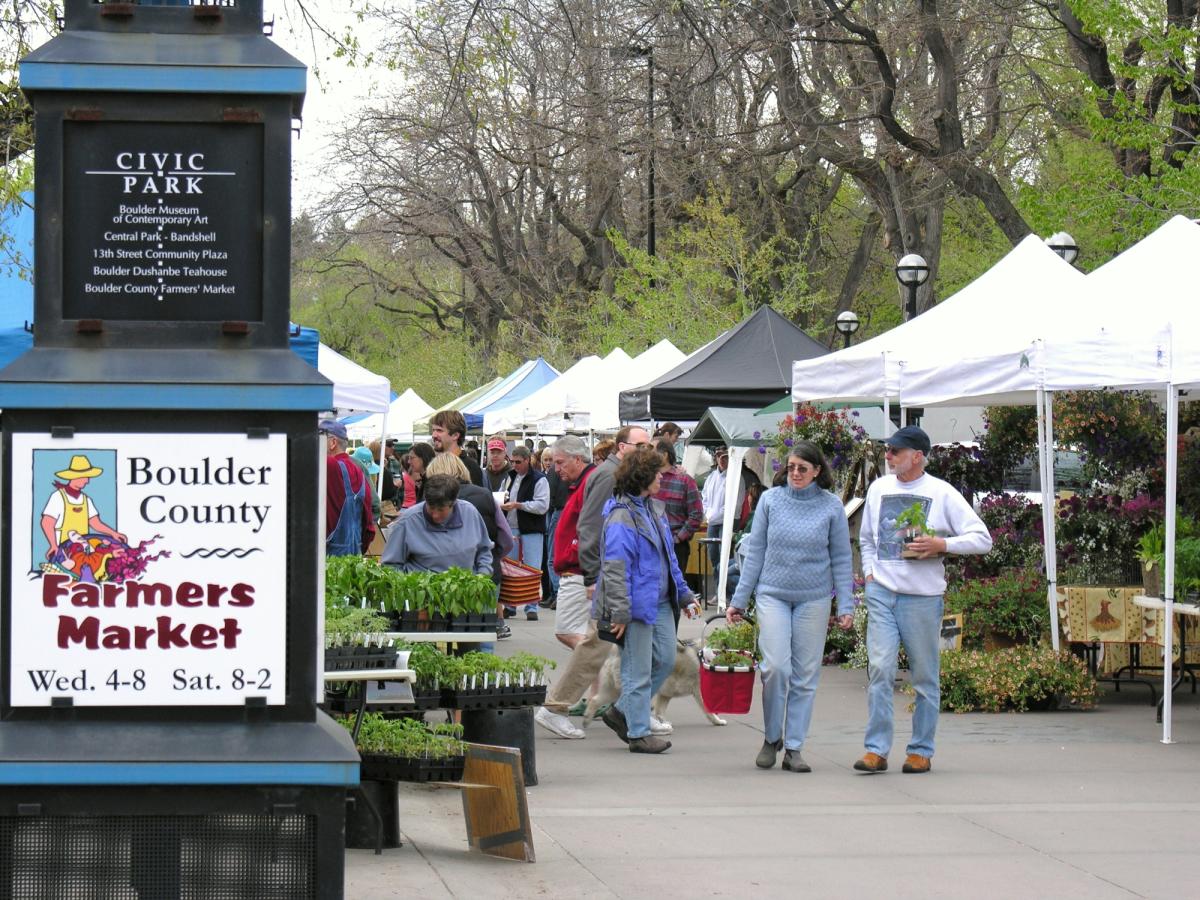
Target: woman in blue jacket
(797,558)
(641,590)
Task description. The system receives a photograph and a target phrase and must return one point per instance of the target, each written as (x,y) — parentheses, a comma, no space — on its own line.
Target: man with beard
(449,431)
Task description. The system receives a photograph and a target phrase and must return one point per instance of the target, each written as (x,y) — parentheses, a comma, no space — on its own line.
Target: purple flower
(757,435)
(854,412)
(787,442)
(762,449)
(775,464)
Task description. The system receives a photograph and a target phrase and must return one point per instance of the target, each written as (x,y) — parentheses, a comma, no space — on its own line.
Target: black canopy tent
(749,365)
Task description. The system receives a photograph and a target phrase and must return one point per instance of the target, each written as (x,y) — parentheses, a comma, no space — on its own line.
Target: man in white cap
(904,594)
(70,509)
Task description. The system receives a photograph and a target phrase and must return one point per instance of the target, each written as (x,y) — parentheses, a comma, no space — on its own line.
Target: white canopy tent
(591,405)
(1132,323)
(556,396)
(396,422)
(1020,289)
(355,389)
(622,374)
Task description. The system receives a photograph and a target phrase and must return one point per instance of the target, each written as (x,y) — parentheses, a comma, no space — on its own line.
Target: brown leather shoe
(871,762)
(914,764)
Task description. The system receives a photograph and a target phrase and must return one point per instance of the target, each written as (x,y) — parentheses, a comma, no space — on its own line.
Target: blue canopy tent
(16,293)
(526,379)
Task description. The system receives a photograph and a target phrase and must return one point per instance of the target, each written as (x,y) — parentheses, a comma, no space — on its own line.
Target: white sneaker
(560,725)
(660,726)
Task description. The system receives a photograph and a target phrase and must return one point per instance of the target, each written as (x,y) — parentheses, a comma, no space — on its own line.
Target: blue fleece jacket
(799,549)
(638,568)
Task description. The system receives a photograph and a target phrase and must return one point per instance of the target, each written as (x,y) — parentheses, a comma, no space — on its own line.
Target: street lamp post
(847,324)
(1064,245)
(912,271)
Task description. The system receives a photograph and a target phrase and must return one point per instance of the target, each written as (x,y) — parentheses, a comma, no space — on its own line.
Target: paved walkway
(1055,805)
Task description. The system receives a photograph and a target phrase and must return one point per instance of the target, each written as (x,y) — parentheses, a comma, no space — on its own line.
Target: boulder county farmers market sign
(148,569)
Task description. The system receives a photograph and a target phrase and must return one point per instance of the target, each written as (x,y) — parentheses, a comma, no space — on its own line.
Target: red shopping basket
(725,689)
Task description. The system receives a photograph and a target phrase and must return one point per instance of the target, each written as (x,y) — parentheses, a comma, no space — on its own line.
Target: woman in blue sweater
(798,557)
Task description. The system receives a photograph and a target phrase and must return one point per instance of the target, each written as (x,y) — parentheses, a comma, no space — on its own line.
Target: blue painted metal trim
(173,396)
(85,773)
(162,78)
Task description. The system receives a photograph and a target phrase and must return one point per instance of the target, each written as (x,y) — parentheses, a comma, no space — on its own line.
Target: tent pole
(1169,563)
(382,456)
(1047,515)
(887,416)
(733,480)
(903,415)
(1052,509)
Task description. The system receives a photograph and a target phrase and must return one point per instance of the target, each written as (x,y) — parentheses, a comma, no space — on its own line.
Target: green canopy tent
(870,415)
(735,428)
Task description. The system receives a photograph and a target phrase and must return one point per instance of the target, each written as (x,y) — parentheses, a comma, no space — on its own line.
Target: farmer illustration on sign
(81,544)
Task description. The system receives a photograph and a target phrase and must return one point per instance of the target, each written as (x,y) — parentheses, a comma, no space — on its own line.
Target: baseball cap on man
(333,427)
(497,444)
(910,437)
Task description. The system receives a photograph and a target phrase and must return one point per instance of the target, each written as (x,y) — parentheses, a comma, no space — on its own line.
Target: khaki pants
(584,665)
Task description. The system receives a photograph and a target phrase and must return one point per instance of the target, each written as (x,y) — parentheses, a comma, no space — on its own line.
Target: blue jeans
(530,553)
(792,640)
(551,525)
(646,660)
(914,620)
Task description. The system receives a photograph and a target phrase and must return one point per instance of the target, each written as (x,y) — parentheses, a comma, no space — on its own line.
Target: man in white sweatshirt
(904,595)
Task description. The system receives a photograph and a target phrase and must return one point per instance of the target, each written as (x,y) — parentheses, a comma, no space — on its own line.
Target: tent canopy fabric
(734,426)
(401,414)
(1086,336)
(520,383)
(567,403)
(747,366)
(354,388)
(1007,305)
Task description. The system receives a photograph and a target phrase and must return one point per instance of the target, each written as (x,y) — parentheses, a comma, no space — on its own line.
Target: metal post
(910,310)
(650,137)
(1169,563)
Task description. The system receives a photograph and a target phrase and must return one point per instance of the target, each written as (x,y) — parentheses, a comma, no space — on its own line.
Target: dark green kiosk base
(159,811)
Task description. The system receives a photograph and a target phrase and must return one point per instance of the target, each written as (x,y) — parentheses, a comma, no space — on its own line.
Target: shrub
(965,468)
(1012,604)
(1015,679)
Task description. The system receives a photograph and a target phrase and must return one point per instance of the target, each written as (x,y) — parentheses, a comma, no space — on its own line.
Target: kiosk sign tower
(159,599)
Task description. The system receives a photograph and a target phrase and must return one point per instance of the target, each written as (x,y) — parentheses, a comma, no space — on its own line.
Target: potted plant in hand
(912,525)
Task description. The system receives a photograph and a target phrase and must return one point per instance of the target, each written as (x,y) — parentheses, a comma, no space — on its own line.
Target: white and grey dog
(684,681)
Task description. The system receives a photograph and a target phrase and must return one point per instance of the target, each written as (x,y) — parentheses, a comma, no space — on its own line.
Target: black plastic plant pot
(351,658)
(493,698)
(474,622)
(379,767)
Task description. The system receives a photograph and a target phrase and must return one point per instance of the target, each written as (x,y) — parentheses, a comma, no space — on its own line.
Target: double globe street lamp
(912,271)
(847,324)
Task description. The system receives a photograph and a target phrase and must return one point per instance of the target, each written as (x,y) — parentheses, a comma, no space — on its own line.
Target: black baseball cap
(909,437)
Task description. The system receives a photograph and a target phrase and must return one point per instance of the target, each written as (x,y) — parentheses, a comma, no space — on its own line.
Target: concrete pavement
(1060,805)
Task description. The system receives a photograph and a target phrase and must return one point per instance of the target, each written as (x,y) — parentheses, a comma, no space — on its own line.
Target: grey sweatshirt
(415,544)
(597,492)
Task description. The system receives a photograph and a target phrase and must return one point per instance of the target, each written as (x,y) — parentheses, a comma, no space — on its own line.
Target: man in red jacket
(349,527)
(574,611)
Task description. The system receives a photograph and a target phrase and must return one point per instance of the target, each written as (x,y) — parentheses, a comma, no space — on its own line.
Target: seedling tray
(379,767)
(493,698)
